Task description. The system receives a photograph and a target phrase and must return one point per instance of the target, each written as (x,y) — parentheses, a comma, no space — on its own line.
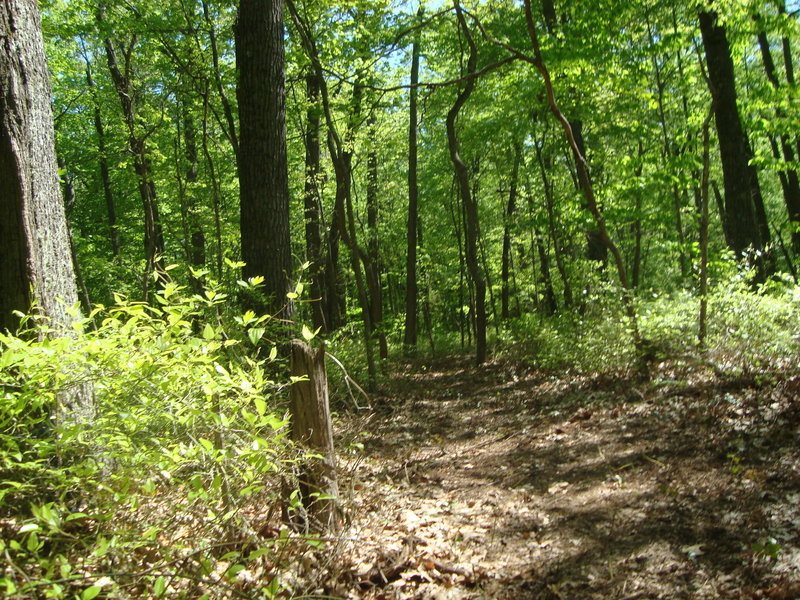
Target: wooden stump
(311,429)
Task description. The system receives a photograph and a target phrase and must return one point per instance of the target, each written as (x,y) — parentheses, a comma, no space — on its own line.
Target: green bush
(169,488)
(746,330)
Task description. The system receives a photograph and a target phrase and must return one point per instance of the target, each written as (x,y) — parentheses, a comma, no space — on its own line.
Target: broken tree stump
(312,429)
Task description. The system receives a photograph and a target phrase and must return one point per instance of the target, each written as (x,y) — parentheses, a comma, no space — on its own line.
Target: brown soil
(503,483)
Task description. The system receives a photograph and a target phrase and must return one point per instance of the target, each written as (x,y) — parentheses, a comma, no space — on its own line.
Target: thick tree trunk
(411,324)
(470,206)
(263,171)
(740,221)
(35,264)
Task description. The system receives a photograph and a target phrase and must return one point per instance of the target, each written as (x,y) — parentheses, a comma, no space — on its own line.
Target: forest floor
(502,482)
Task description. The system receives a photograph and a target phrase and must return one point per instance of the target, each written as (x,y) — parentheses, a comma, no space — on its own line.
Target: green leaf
(208,332)
(255,334)
(261,406)
(91,592)
(308,334)
(159,586)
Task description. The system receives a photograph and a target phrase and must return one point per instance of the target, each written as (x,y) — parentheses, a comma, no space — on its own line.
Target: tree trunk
(740,217)
(311,428)
(551,223)
(507,221)
(35,265)
(470,206)
(411,324)
(312,207)
(102,159)
(373,265)
(196,235)
(215,191)
(263,171)
(585,181)
(790,184)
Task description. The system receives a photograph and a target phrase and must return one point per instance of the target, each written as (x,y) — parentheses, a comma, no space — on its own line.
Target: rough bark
(312,429)
(263,171)
(35,265)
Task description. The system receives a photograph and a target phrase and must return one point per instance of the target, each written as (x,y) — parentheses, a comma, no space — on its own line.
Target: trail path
(500,483)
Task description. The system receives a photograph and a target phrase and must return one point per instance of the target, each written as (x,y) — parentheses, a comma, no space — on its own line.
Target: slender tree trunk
(229,126)
(470,206)
(704,185)
(583,176)
(215,192)
(197,238)
(549,299)
(102,159)
(410,330)
(263,171)
(790,184)
(153,232)
(372,267)
(341,156)
(551,224)
(457,229)
(312,205)
(507,221)
(666,153)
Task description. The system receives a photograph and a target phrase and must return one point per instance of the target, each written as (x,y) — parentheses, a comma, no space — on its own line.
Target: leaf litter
(501,482)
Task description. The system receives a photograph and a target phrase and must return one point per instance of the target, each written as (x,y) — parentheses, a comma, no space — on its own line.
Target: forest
(394,299)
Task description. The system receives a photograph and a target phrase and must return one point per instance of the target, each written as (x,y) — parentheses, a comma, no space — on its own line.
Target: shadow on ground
(499,482)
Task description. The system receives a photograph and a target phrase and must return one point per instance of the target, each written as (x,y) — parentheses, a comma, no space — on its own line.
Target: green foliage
(748,330)
(169,489)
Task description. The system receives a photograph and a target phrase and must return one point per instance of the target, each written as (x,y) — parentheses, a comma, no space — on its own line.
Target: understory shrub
(747,330)
(173,486)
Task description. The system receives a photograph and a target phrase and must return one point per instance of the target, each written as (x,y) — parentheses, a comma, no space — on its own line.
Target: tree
(263,171)
(410,329)
(740,220)
(35,265)
(467,195)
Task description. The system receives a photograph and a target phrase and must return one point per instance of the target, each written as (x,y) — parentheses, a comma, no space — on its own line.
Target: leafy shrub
(171,487)
(746,330)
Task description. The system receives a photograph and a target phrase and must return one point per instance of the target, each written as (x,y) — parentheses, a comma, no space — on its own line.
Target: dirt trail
(507,484)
